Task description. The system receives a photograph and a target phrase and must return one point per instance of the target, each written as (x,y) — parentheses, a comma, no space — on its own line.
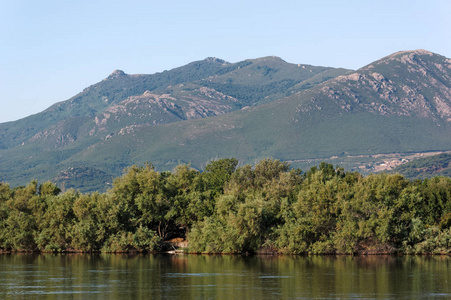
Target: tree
(20,226)
(218,172)
(55,226)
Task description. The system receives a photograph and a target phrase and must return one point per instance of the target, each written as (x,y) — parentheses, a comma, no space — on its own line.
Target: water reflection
(82,276)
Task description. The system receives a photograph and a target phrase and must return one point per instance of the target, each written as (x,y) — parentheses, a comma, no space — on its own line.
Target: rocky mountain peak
(215,59)
(412,52)
(116,74)
(267,59)
(405,57)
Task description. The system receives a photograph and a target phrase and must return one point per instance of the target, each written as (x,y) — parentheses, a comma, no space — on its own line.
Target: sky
(50,50)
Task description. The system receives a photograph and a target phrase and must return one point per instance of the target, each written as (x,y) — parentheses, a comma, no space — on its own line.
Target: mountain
(45,145)
(249,110)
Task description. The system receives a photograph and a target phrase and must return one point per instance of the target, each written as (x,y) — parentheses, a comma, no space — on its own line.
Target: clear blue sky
(51,50)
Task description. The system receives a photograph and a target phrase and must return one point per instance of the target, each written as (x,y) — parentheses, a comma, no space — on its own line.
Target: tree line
(228,209)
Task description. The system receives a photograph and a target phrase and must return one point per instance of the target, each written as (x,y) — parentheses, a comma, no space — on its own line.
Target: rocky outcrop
(116,74)
(409,83)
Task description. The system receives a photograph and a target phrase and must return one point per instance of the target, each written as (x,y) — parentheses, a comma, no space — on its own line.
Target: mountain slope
(122,103)
(426,167)
(249,110)
(397,104)
(98,97)
(191,84)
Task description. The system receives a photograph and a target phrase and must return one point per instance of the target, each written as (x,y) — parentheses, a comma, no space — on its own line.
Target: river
(108,276)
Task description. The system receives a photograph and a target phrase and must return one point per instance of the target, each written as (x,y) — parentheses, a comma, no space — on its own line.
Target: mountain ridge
(250,110)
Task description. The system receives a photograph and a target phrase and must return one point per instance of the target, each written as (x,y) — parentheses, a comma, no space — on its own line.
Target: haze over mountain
(248,110)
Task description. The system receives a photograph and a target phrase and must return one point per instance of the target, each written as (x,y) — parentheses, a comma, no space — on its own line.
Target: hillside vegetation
(427,167)
(225,209)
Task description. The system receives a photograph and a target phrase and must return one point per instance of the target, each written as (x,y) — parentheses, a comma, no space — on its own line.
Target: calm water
(222,277)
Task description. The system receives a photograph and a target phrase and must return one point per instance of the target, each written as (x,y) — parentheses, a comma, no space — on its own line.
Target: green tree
(20,226)
(5,196)
(310,221)
(218,172)
(368,221)
(88,232)
(55,226)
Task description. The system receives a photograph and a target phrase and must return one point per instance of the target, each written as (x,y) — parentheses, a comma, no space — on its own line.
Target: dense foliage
(230,209)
